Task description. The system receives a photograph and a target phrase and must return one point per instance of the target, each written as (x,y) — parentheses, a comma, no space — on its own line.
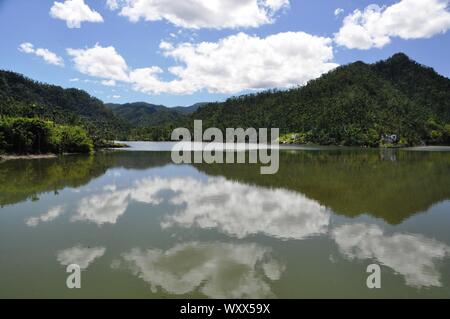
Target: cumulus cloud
(52,214)
(74,12)
(206,268)
(407,19)
(240,62)
(196,14)
(82,256)
(231,65)
(412,256)
(47,55)
(98,61)
(215,203)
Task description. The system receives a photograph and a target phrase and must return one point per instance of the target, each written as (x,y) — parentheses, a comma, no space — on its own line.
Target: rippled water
(140,226)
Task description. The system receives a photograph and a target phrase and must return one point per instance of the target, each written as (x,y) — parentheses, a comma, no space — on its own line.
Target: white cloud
(412,256)
(338,11)
(240,62)
(407,19)
(195,14)
(82,256)
(112,4)
(74,12)
(116,96)
(47,55)
(205,265)
(231,65)
(26,47)
(52,214)
(108,82)
(98,61)
(74,80)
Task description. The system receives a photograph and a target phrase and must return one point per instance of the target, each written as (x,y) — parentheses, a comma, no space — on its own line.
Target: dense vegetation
(23,97)
(141,114)
(42,118)
(75,110)
(150,122)
(352,105)
(32,135)
(357,104)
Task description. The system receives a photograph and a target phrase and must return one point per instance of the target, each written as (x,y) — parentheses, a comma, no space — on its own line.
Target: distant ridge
(146,114)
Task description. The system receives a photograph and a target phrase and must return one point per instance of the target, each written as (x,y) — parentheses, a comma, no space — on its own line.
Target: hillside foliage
(357,104)
(35,136)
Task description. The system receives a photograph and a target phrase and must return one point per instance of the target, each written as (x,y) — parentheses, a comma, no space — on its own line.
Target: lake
(140,226)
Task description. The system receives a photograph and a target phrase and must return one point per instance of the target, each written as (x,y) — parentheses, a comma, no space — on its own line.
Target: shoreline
(7,157)
(429,148)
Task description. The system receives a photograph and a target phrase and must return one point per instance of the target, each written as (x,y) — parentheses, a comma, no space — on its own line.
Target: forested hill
(189,109)
(357,104)
(420,83)
(143,114)
(354,104)
(23,97)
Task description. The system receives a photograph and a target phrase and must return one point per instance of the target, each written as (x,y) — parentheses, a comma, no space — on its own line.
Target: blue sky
(219,49)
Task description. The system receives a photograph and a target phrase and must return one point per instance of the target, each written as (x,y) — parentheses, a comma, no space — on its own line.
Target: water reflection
(233,208)
(242,210)
(413,256)
(21,180)
(52,214)
(82,256)
(295,213)
(356,182)
(350,182)
(102,208)
(216,270)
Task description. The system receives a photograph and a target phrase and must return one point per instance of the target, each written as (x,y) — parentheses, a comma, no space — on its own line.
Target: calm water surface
(140,226)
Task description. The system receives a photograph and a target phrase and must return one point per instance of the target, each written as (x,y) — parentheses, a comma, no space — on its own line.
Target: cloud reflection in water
(82,256)
(217,270)
(236,209)
(242,210)
(413,256)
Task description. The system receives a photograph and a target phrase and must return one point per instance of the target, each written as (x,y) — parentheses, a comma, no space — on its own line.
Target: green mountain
(422,84)
(189,109)
(23,97)
(355,104)
(141,114)
(395,102)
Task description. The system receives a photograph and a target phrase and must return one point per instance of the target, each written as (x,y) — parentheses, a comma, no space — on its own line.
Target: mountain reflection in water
(225,231)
